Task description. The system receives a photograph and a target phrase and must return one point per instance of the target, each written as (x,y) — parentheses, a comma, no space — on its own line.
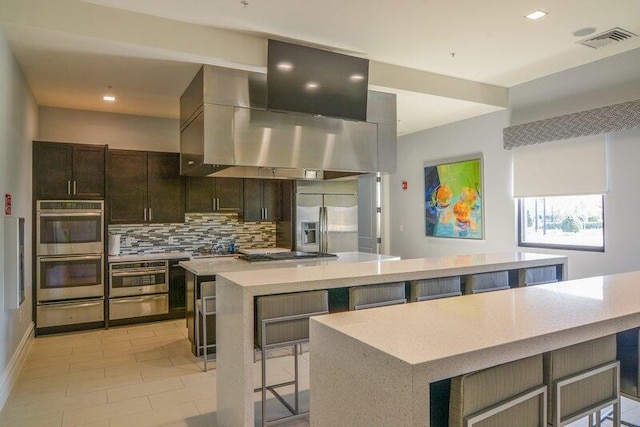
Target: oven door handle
(57,306)
(129,300)
(70,258)
(67,213)
(136,273)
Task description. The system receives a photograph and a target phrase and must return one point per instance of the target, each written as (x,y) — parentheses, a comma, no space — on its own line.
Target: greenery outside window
(565,222)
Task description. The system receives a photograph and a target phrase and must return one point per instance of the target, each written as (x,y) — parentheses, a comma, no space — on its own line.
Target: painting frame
(454,197)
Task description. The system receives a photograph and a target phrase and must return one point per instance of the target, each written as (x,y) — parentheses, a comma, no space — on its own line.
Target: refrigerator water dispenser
(309,233)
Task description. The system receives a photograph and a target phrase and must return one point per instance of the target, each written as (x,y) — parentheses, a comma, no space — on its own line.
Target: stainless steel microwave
(69,227)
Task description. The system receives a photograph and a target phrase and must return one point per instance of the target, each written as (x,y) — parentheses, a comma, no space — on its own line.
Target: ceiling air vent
(614,35)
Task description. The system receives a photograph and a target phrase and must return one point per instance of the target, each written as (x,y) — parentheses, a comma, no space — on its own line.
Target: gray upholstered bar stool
(583,379)
(426,289)
(370,296)
(283,321)
(486,282)
(205,307)
(537,275)
(628,353)
(507,395)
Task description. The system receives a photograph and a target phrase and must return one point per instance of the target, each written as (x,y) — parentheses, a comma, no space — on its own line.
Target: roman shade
(562,168)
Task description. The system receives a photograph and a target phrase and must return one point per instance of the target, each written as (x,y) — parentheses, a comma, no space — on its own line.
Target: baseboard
(10,374)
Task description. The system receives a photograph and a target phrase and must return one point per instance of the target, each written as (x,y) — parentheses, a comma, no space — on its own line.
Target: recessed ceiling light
(285,66)
(109,96)
(536,15)
(312,85)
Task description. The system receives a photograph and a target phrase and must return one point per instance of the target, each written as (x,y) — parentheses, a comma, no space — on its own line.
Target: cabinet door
(165,197)
(228,192)
(272,199)
(127,186)
(88,172)
(200,194)
(52,170)
(252,200)
(177,287)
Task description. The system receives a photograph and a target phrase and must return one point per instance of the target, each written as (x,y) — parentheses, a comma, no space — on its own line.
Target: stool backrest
(208,297)
(427,289)
(478,391)
(540,275)
(378,295)
(485,282)
(577,359)
(284,318)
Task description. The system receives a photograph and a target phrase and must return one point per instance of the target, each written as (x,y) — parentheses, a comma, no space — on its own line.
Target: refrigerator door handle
(320,230)
(324,236)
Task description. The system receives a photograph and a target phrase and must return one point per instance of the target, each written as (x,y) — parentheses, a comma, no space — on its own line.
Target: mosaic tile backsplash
(198,231)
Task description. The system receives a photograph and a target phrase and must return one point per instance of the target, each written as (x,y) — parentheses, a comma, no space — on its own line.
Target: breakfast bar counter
(235,316)
(207,268)
(374,367)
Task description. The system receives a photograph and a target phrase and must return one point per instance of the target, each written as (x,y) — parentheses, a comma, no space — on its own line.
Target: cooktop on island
(279,256)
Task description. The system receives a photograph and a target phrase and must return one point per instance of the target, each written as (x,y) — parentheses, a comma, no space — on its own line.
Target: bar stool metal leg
(204,340)
(197,331)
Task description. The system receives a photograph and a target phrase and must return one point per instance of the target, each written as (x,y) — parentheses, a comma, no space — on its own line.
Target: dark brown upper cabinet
(68,171)
(145,187)
(262,200)
(206,194)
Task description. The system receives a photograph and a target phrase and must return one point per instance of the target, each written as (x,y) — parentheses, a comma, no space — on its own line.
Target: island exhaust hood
(227,131)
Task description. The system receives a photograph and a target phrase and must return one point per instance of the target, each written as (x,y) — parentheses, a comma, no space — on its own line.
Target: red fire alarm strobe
(7,204)
(405,185)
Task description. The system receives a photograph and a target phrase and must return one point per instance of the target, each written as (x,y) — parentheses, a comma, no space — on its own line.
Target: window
(565,222)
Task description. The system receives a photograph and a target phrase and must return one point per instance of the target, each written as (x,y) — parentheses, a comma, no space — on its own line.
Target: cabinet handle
(74,188)
(150,215)
(213,203)
(69,188)
(144,213)
(217,204)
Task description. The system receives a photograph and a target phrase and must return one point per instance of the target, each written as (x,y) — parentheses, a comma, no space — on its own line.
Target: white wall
(477,135)
(18,124)
(601,83)
(119,131)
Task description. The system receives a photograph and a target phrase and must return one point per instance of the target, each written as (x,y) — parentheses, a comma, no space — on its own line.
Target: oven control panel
(116,266)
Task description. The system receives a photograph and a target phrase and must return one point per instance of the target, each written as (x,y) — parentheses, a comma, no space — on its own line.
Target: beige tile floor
(142,375)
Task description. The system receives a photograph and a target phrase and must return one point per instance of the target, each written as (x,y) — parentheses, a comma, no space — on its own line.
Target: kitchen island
(207,269)
(370,369)
(237,290)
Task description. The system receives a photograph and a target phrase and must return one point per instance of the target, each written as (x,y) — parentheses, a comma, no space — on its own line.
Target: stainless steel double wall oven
(69,262)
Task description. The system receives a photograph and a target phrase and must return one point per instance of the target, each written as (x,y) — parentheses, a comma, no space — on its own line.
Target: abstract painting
(454,199)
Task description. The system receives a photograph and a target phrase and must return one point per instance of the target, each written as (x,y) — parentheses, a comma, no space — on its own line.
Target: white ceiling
(148,50)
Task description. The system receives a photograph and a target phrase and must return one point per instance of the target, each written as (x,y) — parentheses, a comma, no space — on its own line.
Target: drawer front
(147,305)
(61,314)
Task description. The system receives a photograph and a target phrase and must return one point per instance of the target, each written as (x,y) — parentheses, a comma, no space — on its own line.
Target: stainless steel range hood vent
(226,131)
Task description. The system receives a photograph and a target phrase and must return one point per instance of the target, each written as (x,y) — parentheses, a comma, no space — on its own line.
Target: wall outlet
(127,241)
(173,240)
(401,227)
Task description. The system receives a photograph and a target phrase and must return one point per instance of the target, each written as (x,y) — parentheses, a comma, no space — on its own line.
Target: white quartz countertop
(213,266)
(149,257)
(355,272)
(455,327)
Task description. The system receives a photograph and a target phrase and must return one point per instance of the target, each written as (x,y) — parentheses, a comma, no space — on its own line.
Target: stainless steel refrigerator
(327,218)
